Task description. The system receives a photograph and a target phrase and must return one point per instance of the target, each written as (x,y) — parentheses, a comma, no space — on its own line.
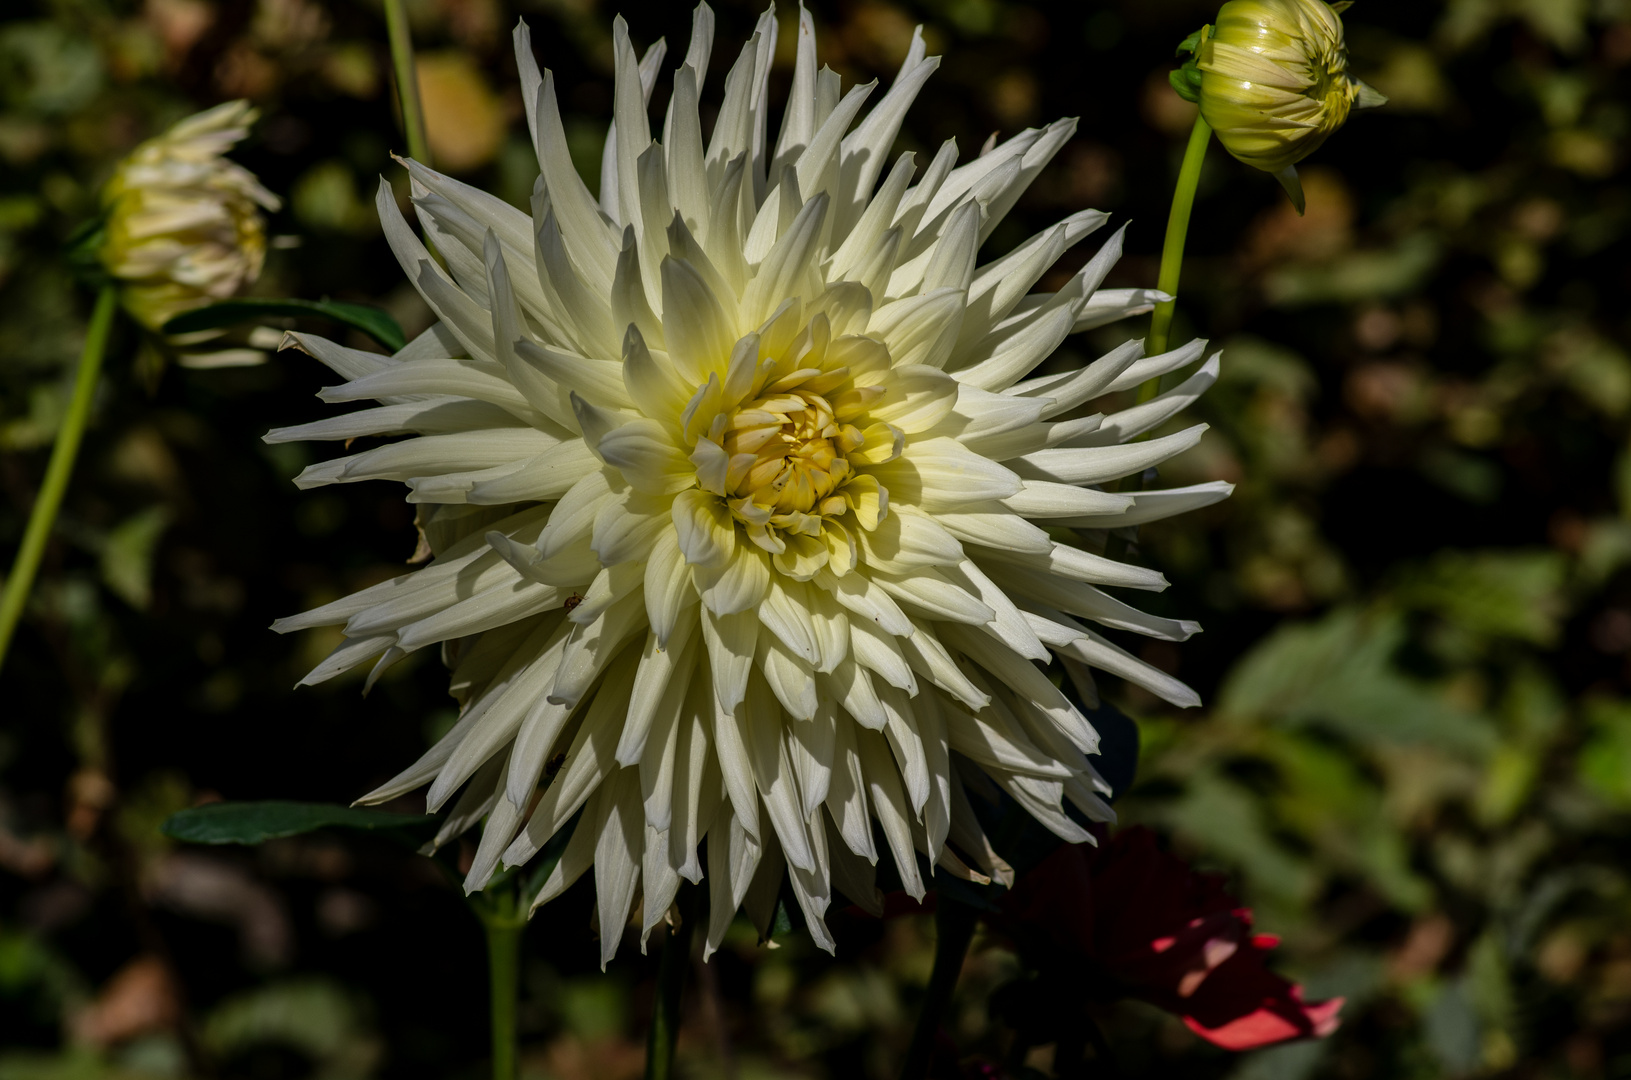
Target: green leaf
(258,822)
(370,320)
(127,556)
(1187,79)
(1515,594)
(1339,673)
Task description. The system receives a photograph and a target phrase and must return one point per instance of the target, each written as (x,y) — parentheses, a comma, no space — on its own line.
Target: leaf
(1339,673)
(258,822)
(370,320)
(1516,594)
(127,556)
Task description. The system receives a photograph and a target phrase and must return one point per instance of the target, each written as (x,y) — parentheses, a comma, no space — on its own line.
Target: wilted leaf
(258,822)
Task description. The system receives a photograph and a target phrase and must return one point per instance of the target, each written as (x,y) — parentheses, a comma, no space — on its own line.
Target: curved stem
(504,919)
(954,930)
(61,467)
(665,1019)
(407,81)
(1172,252)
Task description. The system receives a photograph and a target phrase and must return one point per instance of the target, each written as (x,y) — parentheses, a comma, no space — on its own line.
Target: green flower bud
(183,224)
(1274,82)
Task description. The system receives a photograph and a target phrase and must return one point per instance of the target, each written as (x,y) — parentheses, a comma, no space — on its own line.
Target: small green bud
(1274,82)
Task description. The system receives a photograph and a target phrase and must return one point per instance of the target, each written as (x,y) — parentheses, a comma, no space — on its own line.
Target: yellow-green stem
(504,921)
(1172,252)
(407,81)
(58,470)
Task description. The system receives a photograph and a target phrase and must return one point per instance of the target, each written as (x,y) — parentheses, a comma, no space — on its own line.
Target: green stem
(505,920)
(665,1019)
(407,81)
(954,930)
(58,470)
(1172,252)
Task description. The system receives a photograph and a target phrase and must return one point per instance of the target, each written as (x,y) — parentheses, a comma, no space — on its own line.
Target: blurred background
(1414,761)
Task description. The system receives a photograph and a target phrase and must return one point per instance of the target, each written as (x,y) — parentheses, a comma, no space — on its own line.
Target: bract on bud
(184,225)
(1274,82)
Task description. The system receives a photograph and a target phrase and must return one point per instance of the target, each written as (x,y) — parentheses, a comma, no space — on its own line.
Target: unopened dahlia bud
(1274,81)
(184,225)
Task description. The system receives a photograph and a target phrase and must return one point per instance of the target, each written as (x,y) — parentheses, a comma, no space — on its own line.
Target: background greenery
(1415,757)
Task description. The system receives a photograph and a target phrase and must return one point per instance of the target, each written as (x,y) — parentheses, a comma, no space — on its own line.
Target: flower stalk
(954,931)
(407,80)
(58,471)
(504,919)
(665,1019)
(1172,251)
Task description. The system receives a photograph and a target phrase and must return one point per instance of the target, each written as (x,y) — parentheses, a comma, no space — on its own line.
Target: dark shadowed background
(1415,755)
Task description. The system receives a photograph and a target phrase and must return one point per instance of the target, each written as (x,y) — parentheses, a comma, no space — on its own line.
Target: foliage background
(1415,759)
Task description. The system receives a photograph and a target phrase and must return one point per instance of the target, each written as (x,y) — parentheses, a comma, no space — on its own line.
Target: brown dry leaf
(464,119)
(1324,233)
(571,1058)
(139,999)
(179,24)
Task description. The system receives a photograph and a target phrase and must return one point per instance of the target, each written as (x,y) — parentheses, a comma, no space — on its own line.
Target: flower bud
(1274,81)
(184,225)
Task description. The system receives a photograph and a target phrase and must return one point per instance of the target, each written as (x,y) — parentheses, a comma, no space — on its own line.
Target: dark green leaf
(258,822)
(370,320)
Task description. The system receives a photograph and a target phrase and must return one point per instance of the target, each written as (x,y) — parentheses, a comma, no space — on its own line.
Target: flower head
(184,224)
(739,482)
(1274,80)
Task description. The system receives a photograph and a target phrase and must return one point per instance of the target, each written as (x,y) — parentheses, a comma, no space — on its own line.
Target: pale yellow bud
(1274,79)
(184,225)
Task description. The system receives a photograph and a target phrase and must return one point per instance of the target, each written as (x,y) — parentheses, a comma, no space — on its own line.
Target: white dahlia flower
(744,512)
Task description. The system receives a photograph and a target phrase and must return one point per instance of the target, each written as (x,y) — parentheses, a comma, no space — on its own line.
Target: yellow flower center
(783,443)
(788,453)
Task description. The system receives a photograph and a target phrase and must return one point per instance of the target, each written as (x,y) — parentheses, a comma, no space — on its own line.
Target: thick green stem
(407,81)
(1172,252)
(505,923)
(58,470)
(665,1018)
(954,929)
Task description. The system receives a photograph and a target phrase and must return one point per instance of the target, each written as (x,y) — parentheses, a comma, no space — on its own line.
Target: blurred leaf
(1339,672)
(325,197)
(1516,594)
(1605,760)
(48,68)
(1470,477)
(1226,821)
(1358,275)
(1452,1028)
(258,822)
(315,1017)
(370,320)
(127,555)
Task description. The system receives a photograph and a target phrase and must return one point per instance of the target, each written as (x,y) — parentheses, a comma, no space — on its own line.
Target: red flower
(1167,935)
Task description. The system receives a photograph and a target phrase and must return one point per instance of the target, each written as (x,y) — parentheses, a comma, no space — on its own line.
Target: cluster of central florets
(783,440)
